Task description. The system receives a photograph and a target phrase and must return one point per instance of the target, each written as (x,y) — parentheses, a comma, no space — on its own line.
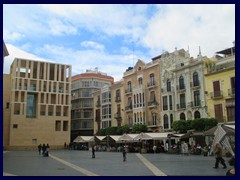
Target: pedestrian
(154,149)
(93,151)
(43,149)
(124,152)
(231,172)
(47,150)
(218,155)
(65,145)
(39,148)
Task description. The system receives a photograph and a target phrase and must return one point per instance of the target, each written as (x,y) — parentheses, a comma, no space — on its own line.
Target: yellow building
(220,86)
(37,104)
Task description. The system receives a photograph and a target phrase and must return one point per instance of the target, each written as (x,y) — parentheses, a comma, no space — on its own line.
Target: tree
(137,128)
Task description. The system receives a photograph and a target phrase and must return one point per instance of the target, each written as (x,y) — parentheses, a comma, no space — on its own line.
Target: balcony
(181,106)
(128,91)
(181,88)
(152,104)
(195,85)
(216,95)
(128,108)
(117,116)
(151,84)
(231,92)
(98,104)
(194,104)
(117,99)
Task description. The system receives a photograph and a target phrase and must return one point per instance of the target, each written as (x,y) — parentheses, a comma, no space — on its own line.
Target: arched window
(152,81)
(197,115)
(182,116)
(168,85)
(181,82)
(195,79)
(129,86)
(165,120)
(139,81)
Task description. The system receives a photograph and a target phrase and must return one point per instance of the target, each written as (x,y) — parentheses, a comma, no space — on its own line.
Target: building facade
(220,86)
(83,87)
(38,110)
(142,95)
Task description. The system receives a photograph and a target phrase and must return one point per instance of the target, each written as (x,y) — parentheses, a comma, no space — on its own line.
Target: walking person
(43,149)
(39,148)
(218,155)
(124,152)
(93,151)
(47,150)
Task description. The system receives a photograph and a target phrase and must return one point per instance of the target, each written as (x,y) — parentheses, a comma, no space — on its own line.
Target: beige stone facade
(39,104)
(142,95)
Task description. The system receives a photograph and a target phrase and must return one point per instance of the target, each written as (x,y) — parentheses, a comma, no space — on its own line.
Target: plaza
(80,163)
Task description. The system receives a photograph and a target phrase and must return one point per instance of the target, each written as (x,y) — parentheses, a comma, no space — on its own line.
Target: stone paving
(80,163)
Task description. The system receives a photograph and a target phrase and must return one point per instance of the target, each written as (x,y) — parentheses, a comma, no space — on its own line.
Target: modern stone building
(220,86)
(37,105)
(83,87)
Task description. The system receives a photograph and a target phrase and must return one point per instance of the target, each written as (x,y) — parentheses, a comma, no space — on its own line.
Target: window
(171,120)
(140,81)
(7,105)
(129,86)
(152,81)
(34,141)
(182,116)
(57,125)
(152,96)
(195,79)
(181,82)
(218,112)
(232,85)
(15,126)
(31,105)
(216,89)
(197,115)
(154,119)
(182,101)
(168,85)
(65,125)
(165,103)
(170,102)
(196,98)
(166,124)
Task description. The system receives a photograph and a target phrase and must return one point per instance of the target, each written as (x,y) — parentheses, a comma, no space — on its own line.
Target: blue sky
(113,37)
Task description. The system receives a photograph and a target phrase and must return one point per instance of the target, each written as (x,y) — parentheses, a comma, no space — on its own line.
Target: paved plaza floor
(80,163)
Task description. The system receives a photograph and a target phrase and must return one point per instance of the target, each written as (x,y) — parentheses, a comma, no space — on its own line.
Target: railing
(231,92)
(151,84)
(128,91)
(117,116)
(117,99)
(181,88)
(181,106)
(128,108)
(152,103)
(216,95)
(197,84)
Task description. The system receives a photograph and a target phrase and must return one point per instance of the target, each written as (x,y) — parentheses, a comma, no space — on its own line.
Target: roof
(92,75)
(84,139)
(227,51)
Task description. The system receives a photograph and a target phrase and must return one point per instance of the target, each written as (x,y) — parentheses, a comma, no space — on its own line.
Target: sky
(112,37)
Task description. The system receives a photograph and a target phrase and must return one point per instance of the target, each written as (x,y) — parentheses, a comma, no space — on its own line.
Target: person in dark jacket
(231,172)
(124,152)
(218,155)
(93,151)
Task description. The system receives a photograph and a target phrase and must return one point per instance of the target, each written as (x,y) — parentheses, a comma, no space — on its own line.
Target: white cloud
(93,45)
(58,27)
(15,52)
(210,26)
(12,36)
